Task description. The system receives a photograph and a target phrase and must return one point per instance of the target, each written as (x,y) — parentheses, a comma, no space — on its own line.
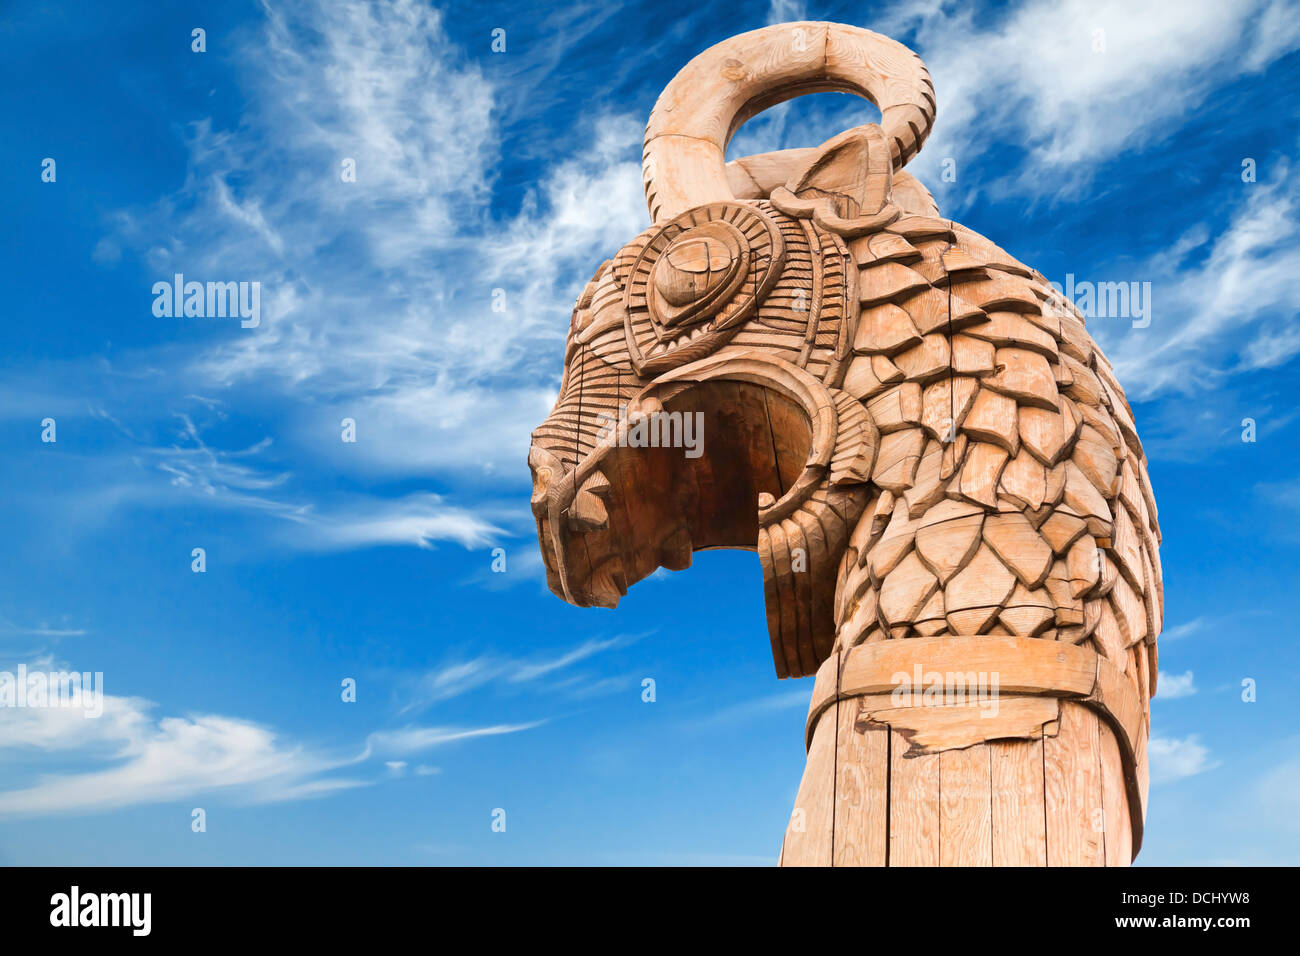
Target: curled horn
(683,162)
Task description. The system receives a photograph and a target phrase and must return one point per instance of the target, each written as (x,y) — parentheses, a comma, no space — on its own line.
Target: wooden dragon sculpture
(932,458)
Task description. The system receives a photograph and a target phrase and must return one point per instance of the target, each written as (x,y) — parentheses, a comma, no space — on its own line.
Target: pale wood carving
(933,460)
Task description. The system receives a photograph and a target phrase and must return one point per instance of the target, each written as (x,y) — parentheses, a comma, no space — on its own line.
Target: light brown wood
(1019,547)
(1118,832)
(913,807)
(1072,774)
(1024,481)
(1024,376)
(965,807)
(1019,825)
(932,460)
(861,792)
(809,839)
(981,472)
(940,729)
(993,419)
(947,546)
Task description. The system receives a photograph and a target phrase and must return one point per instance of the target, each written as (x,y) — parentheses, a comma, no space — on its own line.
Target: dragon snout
(568,513)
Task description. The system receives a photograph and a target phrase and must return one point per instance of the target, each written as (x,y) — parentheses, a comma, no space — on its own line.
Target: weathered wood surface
(915,433)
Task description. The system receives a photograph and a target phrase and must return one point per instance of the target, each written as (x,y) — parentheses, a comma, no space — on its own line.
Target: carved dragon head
(912,429)
(734,310)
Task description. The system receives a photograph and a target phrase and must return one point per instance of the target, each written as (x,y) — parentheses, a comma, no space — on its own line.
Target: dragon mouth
(624,512)
(587,526)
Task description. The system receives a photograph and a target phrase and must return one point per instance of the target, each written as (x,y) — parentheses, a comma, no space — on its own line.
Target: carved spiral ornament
(696,281)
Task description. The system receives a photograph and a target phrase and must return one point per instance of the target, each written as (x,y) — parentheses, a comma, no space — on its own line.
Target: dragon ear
(846,179)
(852,169)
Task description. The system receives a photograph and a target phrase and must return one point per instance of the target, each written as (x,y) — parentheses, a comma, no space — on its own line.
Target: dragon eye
(695,282)
(699,271)
(694,266)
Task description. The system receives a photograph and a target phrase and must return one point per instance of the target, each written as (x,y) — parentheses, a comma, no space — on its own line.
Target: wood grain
(1019,827)
(965,807)
(1072,786)
(913,806)
(861,792)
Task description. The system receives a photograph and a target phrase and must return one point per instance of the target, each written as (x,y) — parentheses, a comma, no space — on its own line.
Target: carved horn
(698,112)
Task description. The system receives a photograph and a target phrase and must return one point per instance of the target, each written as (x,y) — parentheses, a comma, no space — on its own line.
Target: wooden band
(1025,667)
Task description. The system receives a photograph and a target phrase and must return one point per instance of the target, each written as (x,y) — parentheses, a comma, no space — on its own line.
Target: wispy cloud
(379,294)
(1183,630)
(1277,792)
(136,758)
(1073,84)
(410,740)
(460,677)
(1225,299)
(42,629)
(746,710)
(419,520)
(1078,82)
(1173,758)
(159,760)
(186,469)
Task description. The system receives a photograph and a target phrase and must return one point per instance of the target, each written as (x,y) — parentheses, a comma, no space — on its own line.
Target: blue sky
(371,560)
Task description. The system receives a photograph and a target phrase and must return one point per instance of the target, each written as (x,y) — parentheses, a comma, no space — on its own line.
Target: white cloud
(524,672)
(418,520)
(137,758)
(786,11)
(199,474)
(1030,76)
(461,677)
(1182,630)
(1173,686)
(158,760)
(408,740)
(1223,303)
(1278,792)
(41,629)
(378,294)
(1034,77)
(1073,85)
(1174,758)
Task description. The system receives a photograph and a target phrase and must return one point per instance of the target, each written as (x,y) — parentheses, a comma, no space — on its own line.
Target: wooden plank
(808,838)
(1114,799)
(1019,828)
(965,807)
(861,792)
(940,729)
(1072,784)
(913,806)
(1025,665)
